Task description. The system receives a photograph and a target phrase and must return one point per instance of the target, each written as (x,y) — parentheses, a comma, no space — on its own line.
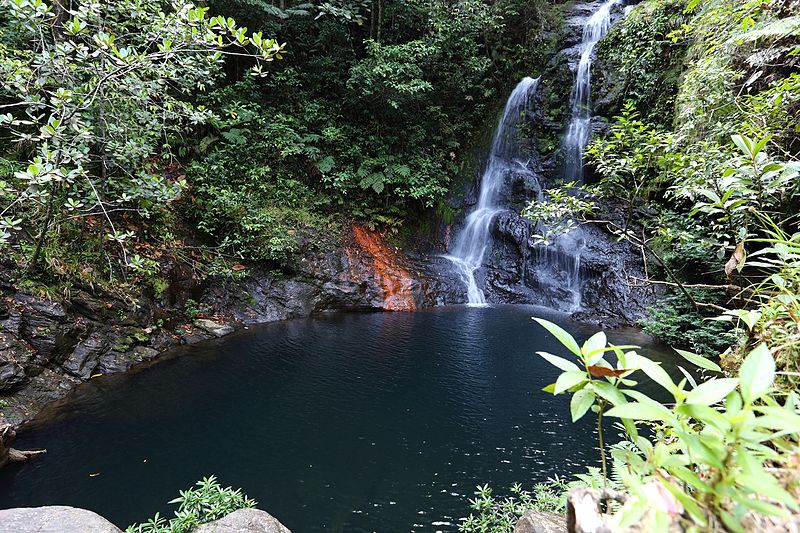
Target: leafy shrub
(677,322)
(500,515)
(205,502)
(701,460)
(646,61)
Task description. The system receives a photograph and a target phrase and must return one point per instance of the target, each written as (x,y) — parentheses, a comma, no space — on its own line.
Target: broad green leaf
(767,486)
(657,374)
(567,380)
(699,360)
(609,392)
(550,388)
(688,376)
(594,344)
(563,337)
(778,418)
(560,362)
(757,373)
(580,403)
(630,428)
(712,391)
(701,451)
(639,411)
(744,144)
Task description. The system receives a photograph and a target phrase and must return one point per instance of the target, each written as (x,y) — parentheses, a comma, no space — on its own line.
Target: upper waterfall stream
(579,129)
(505,156)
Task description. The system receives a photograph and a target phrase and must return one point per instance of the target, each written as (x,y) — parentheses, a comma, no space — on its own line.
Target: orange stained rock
(393,278)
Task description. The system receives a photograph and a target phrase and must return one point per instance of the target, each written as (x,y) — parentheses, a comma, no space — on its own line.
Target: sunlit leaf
(559,333)
(757,373)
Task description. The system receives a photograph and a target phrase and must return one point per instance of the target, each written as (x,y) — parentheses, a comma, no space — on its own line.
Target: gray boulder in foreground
(244,521)
(539,522)
(54,519)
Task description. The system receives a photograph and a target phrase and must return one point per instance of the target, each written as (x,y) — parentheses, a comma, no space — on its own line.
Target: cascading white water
(577,136)
(470,245)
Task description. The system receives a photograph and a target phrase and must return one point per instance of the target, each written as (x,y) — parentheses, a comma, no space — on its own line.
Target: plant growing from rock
(205,502)
(712,456)
(499,515)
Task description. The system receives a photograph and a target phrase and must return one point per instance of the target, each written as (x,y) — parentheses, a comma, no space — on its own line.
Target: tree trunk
(380,21)
(34,263)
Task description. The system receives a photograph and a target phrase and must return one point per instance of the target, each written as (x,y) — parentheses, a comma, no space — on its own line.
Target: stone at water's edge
(539,522)
(214,328)
(53,519)
(63,519)
(245,521)
(390,275)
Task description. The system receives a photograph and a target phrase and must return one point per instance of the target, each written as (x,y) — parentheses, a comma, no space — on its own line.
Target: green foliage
(94,98)
(205,502)
(677,322)
(629,160)
(559,212)
(705,452)
(646,62)
(192,309)
(700,199)
(500,515)
(775,316)
(384,113)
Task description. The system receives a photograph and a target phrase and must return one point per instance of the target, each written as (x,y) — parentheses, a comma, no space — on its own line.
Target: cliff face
(49,345)
(588,272)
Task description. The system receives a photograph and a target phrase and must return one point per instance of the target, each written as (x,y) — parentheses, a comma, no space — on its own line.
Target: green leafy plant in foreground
(205,502)
(496,515)
(716,451)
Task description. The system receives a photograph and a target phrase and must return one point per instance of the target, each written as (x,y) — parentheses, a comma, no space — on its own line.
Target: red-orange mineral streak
(393,278)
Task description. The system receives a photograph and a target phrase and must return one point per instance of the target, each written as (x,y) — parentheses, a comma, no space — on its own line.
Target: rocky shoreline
(62,519)
(49,345)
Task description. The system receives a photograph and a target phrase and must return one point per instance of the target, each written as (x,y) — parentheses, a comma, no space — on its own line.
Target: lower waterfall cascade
(505,156)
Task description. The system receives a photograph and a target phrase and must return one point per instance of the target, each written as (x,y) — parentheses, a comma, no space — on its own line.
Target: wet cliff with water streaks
(586,272)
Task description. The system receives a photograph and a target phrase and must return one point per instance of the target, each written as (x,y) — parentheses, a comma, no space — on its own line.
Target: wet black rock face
(587,272)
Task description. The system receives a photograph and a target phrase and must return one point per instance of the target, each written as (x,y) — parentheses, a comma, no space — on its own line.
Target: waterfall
(504,156)
(558,271)
(577,136)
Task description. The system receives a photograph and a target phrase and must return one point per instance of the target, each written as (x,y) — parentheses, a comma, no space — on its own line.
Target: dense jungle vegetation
(136,132)
(126,124)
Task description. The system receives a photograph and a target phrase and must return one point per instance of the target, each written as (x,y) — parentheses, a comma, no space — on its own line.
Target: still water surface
(346,422)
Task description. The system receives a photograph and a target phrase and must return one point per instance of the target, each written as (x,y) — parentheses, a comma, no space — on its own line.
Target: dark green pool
(349,422)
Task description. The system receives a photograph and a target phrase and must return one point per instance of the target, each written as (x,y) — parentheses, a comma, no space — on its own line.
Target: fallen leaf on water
(94,474)
(95,376)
